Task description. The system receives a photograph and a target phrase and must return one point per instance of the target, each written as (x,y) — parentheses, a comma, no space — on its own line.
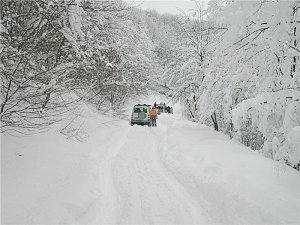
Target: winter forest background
(233,65)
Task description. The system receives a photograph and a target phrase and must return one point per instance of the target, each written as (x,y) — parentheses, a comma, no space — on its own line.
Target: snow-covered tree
(252,83)
(50,49)
(36,60)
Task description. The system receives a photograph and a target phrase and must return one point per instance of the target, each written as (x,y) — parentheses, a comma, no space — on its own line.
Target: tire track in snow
(103,209)
(197,208)
(146,192)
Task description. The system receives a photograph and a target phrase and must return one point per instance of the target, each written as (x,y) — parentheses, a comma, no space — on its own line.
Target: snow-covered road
(138,187)
(176,173)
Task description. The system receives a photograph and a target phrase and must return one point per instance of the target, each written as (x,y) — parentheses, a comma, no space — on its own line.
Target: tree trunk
(214,119)
(46,100)
(190,109)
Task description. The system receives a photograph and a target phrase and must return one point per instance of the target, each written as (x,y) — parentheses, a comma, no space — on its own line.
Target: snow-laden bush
(290,150)
(274,115)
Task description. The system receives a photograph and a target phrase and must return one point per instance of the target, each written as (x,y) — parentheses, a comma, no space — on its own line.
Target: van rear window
(139,109)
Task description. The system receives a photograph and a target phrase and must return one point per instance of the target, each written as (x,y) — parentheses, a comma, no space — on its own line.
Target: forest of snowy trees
(234,65)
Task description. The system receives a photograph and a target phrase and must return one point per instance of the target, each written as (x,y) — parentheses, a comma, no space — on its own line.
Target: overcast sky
(165,6)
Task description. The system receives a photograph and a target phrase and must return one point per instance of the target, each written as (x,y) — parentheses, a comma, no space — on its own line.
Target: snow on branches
(237,69)
(253,82)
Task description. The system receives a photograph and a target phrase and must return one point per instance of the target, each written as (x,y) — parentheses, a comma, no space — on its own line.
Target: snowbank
(52,178)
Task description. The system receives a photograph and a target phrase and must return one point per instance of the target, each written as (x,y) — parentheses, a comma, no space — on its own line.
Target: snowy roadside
(50,178)
(236,184)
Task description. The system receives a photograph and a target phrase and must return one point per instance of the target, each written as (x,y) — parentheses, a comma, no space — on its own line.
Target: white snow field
(177,173)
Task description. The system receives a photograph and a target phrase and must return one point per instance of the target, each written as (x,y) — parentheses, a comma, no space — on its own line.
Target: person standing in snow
(168,109)
(153,116)
(154,104)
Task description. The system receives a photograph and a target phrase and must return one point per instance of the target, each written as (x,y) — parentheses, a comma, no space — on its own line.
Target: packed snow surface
(177,173)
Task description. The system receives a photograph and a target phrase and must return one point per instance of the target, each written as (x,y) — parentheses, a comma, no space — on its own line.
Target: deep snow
(177,173)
